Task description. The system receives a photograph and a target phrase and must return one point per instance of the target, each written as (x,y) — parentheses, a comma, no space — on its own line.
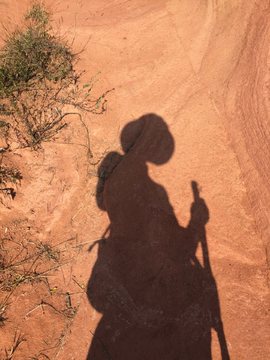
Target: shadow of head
(152,138)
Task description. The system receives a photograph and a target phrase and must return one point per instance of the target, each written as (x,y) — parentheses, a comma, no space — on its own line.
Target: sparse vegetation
(39,88)
(18,339)
(38,81)
(32,263)
(9,175)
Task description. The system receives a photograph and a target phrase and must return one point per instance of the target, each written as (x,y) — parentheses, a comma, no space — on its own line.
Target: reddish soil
(161,250)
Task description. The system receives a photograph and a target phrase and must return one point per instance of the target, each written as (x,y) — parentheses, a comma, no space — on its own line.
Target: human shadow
(158,301)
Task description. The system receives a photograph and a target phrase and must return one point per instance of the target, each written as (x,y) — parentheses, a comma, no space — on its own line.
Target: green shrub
(37,80)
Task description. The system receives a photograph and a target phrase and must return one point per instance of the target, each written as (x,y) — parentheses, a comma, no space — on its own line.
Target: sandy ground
(173,280)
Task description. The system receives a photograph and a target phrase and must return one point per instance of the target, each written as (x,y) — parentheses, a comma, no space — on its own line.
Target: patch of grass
(45,250)
(32,55)
(25,261)
(21,261)
(38,81)
(31,262)
(8,175)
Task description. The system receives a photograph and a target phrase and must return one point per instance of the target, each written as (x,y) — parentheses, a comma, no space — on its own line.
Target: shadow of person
(158,301)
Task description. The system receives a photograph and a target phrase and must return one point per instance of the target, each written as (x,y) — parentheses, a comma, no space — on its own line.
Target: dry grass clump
(38,81)
(31,55)
(9,175)
(25,261)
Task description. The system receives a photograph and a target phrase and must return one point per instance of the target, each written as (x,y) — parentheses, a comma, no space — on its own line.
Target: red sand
(203,67)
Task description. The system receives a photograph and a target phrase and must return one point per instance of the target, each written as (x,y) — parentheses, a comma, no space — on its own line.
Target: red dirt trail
(181,270)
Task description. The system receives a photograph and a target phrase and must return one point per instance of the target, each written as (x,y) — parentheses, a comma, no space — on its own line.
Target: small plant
(18,339)
(46,251)
(38,81)
(9,175)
